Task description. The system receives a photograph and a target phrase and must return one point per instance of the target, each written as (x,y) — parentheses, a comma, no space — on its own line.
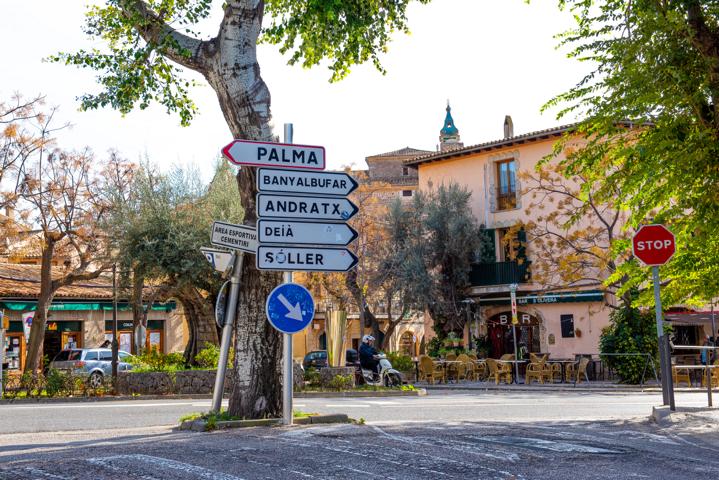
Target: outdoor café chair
(430,371)
(553,371)
(499,371)
(575,374)
(680,374)
(507,356)
(465,369)
(536,370)
(714,375)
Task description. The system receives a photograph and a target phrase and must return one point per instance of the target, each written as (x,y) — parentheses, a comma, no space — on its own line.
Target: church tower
(449,135)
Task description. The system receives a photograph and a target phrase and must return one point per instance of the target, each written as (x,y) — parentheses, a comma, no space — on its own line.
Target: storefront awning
(562,297)
(29,306)
(692,318)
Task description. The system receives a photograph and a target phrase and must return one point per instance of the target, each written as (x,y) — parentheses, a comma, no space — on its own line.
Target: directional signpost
(267,154)
(654,245)
(238,237)
(313,259)
(298,181)
(297,204)
(221,260)
(305,233)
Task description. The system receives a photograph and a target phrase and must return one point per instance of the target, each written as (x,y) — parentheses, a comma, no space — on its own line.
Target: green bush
(58,383)
(434,347)
(341,382)
(312,376)
(400,362)
(630,331)
(209,356)
(153,360)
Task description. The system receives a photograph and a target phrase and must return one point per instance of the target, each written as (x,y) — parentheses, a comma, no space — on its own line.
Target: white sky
(490,58)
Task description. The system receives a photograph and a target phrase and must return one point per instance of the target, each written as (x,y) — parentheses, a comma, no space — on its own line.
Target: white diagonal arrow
(295,313)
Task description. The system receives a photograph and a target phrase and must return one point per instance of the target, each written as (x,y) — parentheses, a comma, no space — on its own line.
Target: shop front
(154,335)
(61,335)
(14,358)
(501,336)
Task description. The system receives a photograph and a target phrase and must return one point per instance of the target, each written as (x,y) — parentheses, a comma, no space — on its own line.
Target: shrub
(341,382)
(630,331)
(209,356)
(312,376)
(153,360)
(400,362)
(58,383)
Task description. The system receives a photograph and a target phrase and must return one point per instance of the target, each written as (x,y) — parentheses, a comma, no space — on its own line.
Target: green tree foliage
(437,238)
(160,226)
(651,118)
(138,63)
(630,331)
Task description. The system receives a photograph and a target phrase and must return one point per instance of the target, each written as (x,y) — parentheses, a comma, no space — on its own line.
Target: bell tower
(449,135)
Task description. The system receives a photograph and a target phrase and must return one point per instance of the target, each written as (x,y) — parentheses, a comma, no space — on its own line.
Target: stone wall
(163,383)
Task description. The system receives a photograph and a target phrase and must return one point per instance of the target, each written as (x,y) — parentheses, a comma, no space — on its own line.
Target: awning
(692,318)
(561,297)
(30,306)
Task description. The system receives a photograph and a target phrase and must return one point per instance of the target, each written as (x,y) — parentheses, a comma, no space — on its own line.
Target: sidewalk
(595,386)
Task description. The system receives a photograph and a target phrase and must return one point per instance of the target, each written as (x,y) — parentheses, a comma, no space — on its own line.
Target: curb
(106,398)
(553,388)
(662,415)
(201,425)
(420,392)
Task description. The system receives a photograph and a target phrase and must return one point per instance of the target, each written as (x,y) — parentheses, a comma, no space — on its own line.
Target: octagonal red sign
(653,245)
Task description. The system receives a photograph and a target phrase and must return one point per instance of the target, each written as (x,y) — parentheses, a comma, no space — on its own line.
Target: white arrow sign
(295,206)
(314,259)
(298,181)
(219,259)
(305,233)
(293,312)
(238,237)
(267,154)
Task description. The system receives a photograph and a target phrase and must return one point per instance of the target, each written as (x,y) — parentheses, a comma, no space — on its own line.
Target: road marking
(94,405)
(163,463)
(347,405)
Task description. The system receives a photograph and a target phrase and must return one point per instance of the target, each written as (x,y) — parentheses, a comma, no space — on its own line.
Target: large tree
(147,42)
(651,119)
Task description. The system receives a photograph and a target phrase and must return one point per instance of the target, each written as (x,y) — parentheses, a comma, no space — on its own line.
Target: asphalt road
(437,450)
(437,406)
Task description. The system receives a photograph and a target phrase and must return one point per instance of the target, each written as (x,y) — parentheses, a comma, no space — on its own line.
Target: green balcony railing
(499,273)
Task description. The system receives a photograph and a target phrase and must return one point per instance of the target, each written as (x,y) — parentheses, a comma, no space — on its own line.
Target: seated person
(367,354)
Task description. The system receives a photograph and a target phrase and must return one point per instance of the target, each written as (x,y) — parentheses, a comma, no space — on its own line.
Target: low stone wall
(190,382)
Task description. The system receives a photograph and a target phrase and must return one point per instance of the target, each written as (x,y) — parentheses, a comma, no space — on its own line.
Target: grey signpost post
(654,245)
(240,238)
(301,211)
(515,321)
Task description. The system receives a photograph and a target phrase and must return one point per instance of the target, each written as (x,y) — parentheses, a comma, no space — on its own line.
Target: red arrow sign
(653,245)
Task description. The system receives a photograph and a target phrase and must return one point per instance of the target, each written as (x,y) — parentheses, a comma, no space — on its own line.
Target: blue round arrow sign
(290,308)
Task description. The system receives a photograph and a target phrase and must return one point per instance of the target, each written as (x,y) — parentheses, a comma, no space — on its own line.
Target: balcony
(499,273)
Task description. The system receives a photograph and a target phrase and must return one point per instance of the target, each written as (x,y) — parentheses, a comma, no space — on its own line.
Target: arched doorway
(500,333)
(323,341)
(406,343)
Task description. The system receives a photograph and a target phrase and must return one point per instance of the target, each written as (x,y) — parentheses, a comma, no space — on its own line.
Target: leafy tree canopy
(134,72)
(651,110)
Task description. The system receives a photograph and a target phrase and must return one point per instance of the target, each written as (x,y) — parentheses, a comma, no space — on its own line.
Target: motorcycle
(387,377)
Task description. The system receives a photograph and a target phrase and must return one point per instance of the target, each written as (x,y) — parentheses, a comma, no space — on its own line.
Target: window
(507,245)
(567,322)
(406,193)
(506,185)
(91,356)
(405,171)
(106,355)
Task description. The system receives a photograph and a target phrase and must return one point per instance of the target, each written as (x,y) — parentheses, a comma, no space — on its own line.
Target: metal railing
(499,273)
(708,367)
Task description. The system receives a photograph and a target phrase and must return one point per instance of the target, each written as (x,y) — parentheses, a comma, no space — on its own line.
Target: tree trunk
(200,322)
(33,359)
(233,72)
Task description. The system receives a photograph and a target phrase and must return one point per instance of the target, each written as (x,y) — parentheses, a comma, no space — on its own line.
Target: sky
(489,58)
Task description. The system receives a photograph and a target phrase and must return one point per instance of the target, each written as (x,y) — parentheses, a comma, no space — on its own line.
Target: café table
(702,373)
(514,370)
(446,364)
(563,362)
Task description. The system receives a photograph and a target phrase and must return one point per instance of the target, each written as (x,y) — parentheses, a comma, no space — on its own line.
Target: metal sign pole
(665,362)
(287,372)
(227,330)
(515,321)
(2,357)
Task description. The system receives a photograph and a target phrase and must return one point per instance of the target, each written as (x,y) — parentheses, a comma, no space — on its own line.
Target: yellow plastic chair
(714,375)
(499,371)
(680,374)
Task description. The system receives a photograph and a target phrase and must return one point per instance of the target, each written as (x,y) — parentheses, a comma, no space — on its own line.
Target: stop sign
(653,245)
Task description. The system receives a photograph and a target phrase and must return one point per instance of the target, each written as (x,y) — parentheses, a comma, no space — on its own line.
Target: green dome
(449,128)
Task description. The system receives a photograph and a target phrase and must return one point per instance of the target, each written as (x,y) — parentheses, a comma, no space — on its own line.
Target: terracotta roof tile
(403,152)
(505,142)
(23,281)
